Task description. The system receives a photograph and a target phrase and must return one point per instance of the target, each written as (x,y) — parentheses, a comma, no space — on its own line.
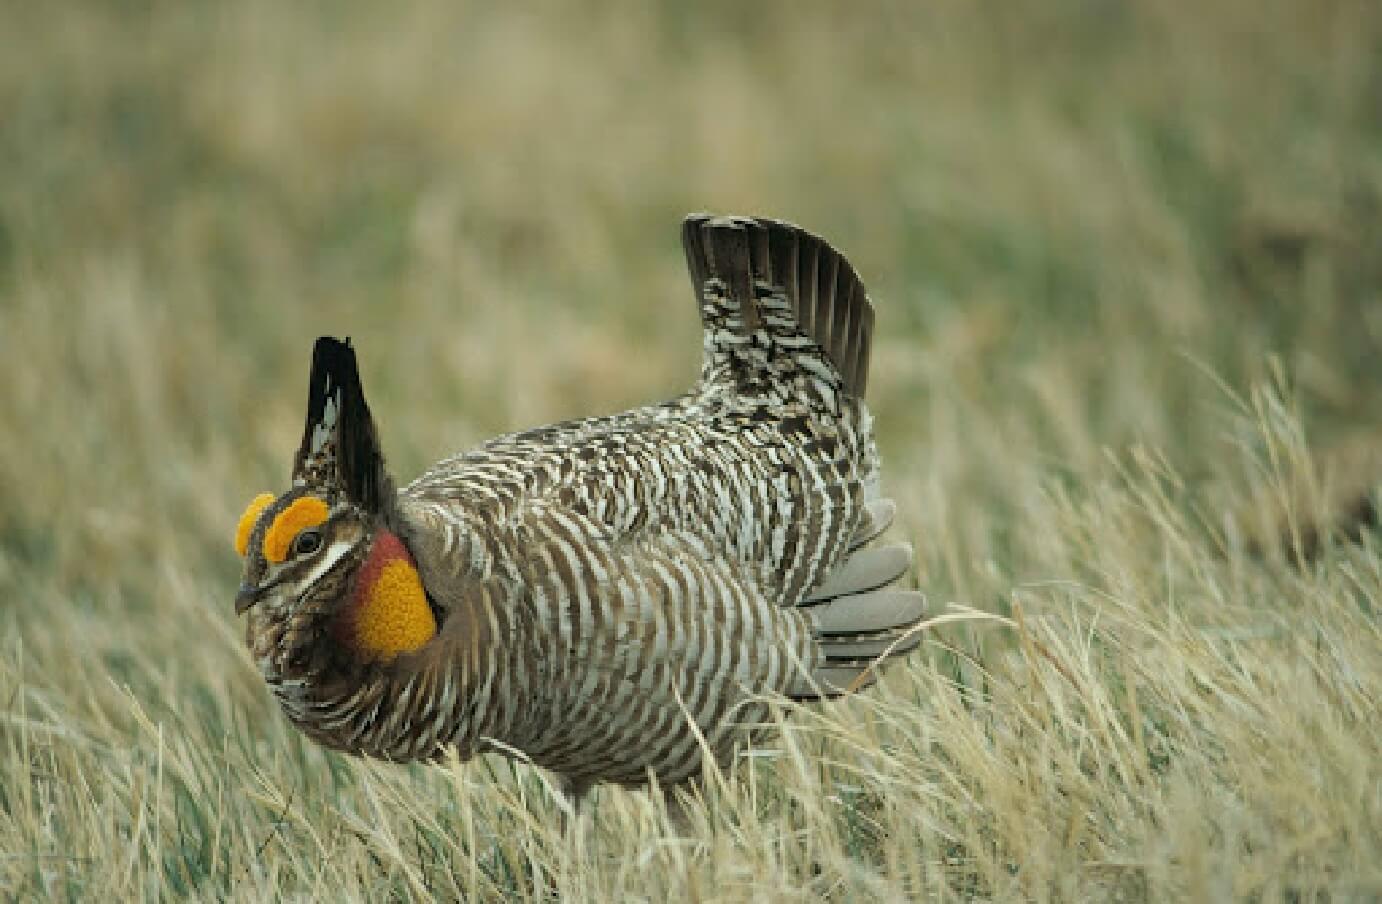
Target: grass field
(1127,263)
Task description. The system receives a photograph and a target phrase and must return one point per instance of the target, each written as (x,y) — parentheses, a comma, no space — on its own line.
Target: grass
(1125,260)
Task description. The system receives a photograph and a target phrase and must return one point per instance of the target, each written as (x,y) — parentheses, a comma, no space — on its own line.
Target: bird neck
(412,705)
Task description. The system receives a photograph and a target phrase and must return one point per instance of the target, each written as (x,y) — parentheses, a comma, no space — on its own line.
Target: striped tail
(777,301)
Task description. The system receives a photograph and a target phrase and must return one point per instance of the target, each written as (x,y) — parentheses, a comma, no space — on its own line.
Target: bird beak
(247,597)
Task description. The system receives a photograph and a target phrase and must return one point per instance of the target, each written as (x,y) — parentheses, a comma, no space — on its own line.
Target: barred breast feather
(616,592)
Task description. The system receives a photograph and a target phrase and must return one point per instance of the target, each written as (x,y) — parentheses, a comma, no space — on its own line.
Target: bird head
(323,562)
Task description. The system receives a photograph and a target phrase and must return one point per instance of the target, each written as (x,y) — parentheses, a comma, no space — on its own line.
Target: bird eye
(307,542)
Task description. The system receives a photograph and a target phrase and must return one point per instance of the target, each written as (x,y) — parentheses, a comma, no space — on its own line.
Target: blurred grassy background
(1077,219)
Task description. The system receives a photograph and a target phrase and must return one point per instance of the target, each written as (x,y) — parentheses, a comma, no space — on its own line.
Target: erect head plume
(340,449)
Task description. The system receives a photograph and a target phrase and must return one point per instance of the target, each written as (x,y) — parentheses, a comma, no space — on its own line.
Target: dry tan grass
(1125,262)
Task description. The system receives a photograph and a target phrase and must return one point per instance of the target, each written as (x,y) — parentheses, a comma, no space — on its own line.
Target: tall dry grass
(1125,259)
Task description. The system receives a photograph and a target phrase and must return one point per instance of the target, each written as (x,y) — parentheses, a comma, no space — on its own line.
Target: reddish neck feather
(385,548)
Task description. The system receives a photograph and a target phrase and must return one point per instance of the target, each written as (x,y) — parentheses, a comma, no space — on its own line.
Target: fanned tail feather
(772,294)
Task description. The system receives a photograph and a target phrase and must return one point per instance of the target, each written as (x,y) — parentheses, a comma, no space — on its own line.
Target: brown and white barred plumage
(609,589)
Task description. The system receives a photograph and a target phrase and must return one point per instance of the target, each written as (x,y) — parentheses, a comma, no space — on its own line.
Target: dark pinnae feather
(339,443)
